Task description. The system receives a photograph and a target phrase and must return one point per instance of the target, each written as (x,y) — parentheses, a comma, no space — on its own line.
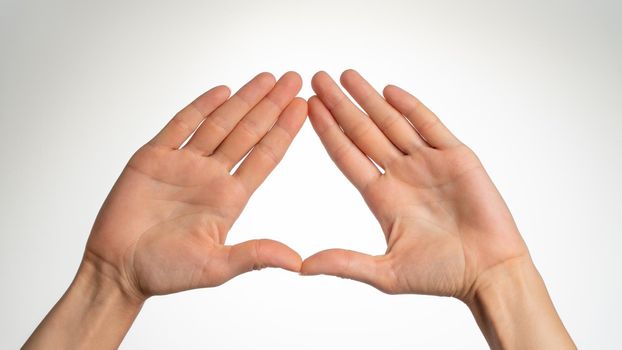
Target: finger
(185,122)
(258,121)
(424,120)
(270,150)
(365,268)
(359,128)
(391,122)
(349,159)
(220,123)
(259,253)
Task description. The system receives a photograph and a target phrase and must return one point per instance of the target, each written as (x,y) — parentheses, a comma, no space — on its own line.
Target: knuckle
(268,152)
(251,128)
(242,100)
(359,131)
(273,103)
(340,152)
(388,123)
(179,123)
(335,103)
(218,123)
(285,136)
(429,124)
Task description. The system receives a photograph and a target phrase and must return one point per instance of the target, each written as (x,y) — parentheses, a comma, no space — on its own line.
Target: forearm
(514,311)
(94,313)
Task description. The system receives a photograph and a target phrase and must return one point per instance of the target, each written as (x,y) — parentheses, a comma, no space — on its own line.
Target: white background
(534,87)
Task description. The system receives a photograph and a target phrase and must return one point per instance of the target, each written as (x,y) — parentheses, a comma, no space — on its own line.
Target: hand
(163,227)
(448,230)
(443,219)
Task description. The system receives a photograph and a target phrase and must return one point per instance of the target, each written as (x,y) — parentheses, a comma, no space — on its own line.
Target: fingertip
(314,107)
(290,261)
(222,91)
(292,79)
(394,91)
(305,269)
(266,78)
(316,104)
(298,106)
(312,100)
(318,75)
(300,101)
(388,89)
(294,115)
(348,75)
(319,115)
(212,98)
(304,105)
(294,75)
(315,264)
(311,266)
(398,97)
(295,263)
(286,257)
(319,78)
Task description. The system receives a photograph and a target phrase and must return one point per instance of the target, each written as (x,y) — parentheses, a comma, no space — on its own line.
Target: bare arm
(95,312)
(514,311)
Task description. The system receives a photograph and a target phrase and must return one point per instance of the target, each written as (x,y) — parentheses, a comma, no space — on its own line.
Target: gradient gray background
(533,87)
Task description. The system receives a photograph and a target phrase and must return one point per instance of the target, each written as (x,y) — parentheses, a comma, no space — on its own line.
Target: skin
(443,219)
(448,231)
(163,227)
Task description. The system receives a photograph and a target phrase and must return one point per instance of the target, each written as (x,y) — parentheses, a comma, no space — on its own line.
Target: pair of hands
(164,225)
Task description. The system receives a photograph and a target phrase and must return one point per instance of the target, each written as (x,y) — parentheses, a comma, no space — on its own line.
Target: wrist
(508,278)
(95,312)
(512,307)
(100,283)
(109,279)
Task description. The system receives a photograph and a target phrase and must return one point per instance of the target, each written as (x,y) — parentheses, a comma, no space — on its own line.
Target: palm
(438,223)
(436,205)
(165,222)
(181,206)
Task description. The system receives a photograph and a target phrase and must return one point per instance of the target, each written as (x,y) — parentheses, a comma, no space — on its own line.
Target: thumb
(373,270)
(259,253)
